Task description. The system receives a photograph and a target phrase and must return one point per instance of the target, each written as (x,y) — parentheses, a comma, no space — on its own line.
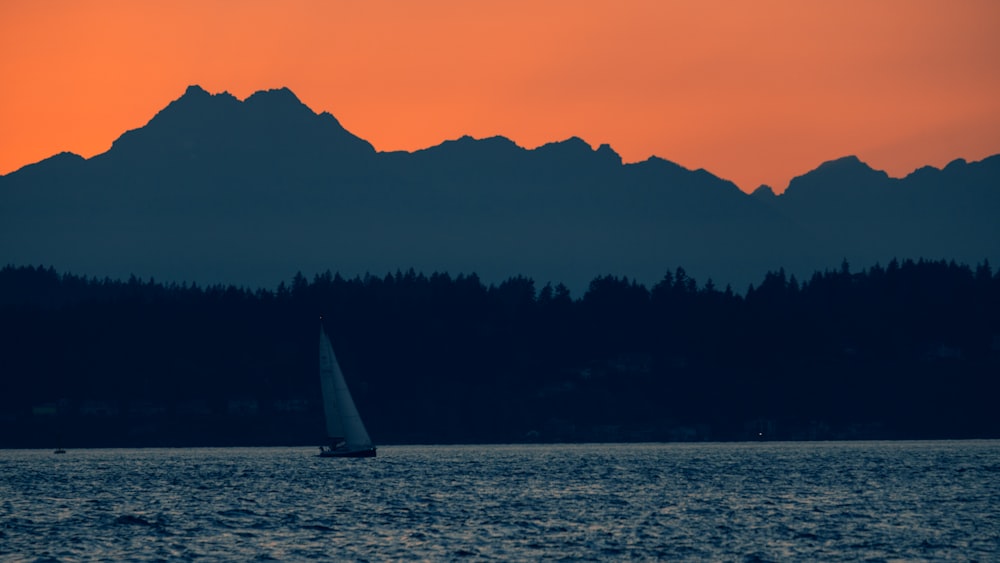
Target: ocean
(792,501)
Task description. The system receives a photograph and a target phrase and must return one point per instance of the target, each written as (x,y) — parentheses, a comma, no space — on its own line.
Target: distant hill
(214,189)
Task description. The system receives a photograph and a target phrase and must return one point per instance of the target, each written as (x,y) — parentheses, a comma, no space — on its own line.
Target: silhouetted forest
(908,350)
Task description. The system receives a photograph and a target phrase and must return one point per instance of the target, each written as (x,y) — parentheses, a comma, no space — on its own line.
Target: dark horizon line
(678,273)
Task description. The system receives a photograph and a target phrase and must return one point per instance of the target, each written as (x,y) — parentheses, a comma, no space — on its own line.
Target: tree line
(907,350)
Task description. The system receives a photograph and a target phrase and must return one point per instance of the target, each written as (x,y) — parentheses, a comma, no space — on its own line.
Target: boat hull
(368,452)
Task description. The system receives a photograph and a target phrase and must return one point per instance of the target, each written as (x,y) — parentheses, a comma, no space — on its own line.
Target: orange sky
(755,91)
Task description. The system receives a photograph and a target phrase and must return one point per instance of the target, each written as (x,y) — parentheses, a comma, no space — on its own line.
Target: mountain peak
(275,95)
(848,174)
(467,145)
(844,163)
(268,120)
(196,100)
(195,90)
(196,94)
(577,149)
(605,152)
(956,164)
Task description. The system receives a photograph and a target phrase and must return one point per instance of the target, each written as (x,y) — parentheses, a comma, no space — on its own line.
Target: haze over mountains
(218,190)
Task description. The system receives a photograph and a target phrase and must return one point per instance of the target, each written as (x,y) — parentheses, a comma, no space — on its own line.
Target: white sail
(342,419)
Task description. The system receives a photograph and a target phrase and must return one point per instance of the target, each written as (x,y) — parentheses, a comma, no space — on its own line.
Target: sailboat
(344,428)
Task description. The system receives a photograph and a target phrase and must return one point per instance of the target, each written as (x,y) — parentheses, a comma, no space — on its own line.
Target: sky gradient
(755,92)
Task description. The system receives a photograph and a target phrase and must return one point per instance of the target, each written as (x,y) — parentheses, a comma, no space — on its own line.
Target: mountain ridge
(283,99)
(214,188)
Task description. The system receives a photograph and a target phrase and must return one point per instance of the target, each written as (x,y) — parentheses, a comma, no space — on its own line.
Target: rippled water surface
(777,501)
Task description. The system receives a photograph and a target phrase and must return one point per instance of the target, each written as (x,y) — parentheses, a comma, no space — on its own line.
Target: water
(874,501)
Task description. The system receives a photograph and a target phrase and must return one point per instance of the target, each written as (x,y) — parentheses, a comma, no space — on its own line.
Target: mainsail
(343,423)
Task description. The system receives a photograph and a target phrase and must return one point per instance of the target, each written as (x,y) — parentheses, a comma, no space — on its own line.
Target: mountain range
(218,190)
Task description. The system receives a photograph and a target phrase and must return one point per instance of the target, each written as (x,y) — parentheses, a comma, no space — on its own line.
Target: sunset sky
(755,92)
